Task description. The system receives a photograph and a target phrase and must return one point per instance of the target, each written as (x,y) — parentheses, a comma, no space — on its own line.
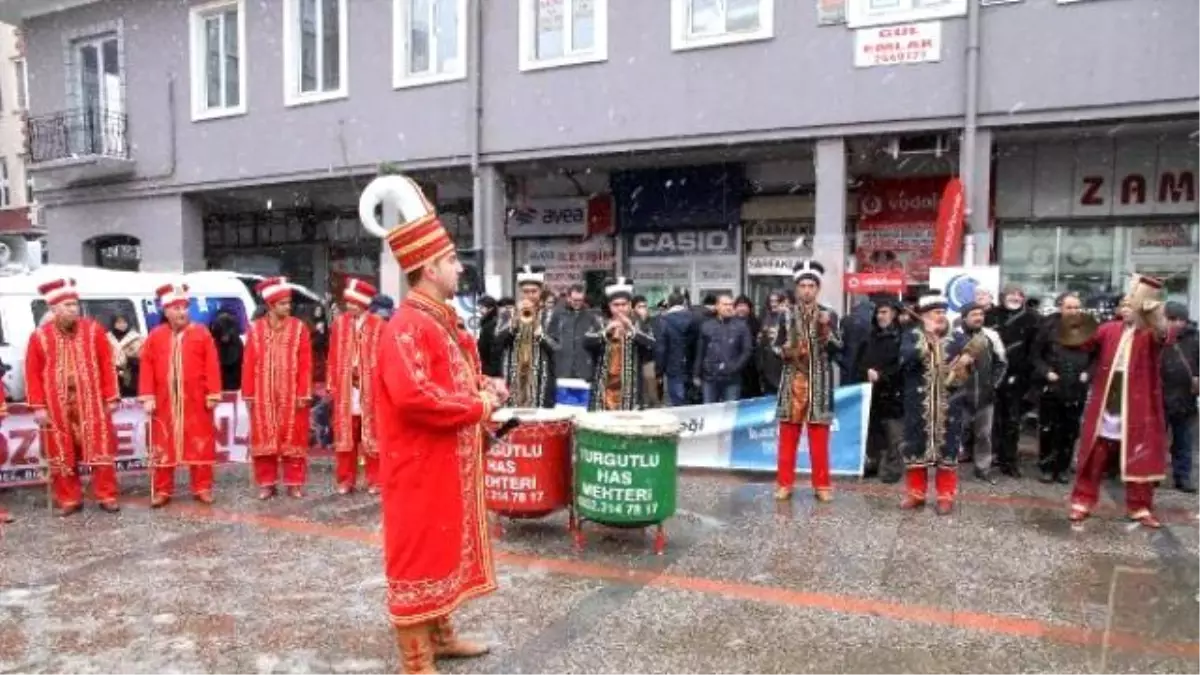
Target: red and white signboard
(22,462)
(896,223)
(897,45)
(869,283)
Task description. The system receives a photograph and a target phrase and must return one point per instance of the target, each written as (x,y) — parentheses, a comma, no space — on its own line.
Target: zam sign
(683,242)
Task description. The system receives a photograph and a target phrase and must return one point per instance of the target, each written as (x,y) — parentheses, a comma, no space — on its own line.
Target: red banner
(868,283)
(895,228)
(948,230)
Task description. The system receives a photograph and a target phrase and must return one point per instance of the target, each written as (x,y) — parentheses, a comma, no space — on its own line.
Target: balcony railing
(84,132)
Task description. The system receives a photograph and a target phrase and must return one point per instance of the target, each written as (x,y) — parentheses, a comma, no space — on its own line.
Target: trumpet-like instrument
(976,347)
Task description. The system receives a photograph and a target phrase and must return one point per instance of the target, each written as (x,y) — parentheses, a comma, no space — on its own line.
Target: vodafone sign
(866,283)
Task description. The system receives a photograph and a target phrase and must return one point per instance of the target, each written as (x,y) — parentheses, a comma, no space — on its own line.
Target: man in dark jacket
(1017,326)
(1060,375)
(857,326)
(674,348)
(1180,368)
(979,391)
(878,362)
(723,349)
(489,354)
(568,325)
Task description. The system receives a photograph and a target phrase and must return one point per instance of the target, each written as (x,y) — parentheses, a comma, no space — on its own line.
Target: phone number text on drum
(618,508)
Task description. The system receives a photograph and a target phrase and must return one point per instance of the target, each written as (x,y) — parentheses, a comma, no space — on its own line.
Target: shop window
(709,23)
(556,33)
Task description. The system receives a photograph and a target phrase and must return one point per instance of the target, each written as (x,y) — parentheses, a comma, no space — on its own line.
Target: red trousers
(68,490)
(945,482)
(347,461)
(1139,497)
(818,449)
(266,470)
(200,475)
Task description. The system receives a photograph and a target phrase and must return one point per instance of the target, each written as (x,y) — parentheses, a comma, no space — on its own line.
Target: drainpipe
(971,122)
(474,70)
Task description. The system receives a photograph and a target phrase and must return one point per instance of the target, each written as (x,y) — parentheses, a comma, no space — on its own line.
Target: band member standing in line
(179,384)
(431,402)
(353,347)
(935,363)
(620,349)
(1060,372)
(808,342)
(1124,409)
(527,346)
(277,387)
(71,384)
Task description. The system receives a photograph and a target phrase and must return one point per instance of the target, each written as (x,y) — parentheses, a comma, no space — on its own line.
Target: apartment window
(5,192)
(218,34)
(430,41)
(22,74)
(315,50)
(562,32)
(861,13)
(709,23)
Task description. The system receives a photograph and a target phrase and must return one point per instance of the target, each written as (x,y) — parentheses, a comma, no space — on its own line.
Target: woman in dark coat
(225,333)
(878,362)
(751,377)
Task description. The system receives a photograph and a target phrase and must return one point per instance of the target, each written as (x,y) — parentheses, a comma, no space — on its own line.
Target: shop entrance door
(1180,275)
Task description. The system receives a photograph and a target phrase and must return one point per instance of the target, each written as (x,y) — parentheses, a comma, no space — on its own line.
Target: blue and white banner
(743,435)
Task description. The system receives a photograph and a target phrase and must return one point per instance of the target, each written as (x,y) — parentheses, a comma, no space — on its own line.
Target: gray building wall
(1039,62)
(169,228)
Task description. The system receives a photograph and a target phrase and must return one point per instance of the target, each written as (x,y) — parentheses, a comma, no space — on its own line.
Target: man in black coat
(1060,375)
(723,349)
(675,347)
(1180,368)
(1017,326)
(878,362)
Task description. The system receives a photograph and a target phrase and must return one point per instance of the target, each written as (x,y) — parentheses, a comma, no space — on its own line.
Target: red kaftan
(181,374)
(277,387)
(429,408)
(352,356)
(1143,427)
(72,377)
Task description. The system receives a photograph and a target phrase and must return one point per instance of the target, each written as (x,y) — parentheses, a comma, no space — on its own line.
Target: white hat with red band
(274,289)
(359,292)
(172,294)
(59,290)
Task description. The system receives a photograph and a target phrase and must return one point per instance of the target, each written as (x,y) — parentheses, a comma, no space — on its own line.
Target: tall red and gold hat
(359,292)
(419,239)
(274,289)
(170,295)
(59,290)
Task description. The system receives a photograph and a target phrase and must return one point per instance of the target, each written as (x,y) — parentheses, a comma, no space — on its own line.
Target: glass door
(98,126)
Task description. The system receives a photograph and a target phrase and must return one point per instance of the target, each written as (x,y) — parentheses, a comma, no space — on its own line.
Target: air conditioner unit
(934,145)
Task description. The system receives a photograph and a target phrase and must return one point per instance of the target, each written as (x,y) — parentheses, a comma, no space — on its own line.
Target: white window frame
(5,187)
(199,61)
(527,38)
(401,77)
(682,40)
(860,15)
(292,96)
(22,75)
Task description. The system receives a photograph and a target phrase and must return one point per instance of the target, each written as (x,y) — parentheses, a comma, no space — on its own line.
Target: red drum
(528,473)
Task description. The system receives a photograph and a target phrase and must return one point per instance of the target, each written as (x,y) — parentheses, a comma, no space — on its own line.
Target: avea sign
(683,242)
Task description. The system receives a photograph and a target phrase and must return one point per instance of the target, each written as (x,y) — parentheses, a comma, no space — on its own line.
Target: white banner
(21,459)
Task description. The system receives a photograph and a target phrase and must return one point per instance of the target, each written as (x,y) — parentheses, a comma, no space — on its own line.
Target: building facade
(17,218)
(686,142)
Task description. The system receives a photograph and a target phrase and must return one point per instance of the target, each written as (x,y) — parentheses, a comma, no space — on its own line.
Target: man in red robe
(277,388)
(431,401)
(353,341)
(5,516)
(71,384)
(179,384)
(1124,410)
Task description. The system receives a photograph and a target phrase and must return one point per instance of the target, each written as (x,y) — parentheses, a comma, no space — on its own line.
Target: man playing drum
(353,342)
(807,341)
(619,351)
(431,402)
(526,345)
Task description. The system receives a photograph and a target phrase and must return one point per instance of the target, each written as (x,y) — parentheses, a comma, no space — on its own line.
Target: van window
(102,310)
(202,311)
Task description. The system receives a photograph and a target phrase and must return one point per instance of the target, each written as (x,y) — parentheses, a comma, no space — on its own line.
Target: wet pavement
(1004,584)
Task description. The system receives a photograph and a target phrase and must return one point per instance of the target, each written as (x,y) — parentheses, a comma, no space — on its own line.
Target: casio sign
(685,242)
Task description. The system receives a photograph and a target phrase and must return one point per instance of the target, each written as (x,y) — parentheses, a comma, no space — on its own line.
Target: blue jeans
(1180,427)
(717,392)
(676,390)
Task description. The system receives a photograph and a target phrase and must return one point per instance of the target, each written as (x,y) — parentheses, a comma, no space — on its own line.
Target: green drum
(625,467)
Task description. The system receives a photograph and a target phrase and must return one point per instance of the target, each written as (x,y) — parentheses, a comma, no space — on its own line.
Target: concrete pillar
(829,236)
(488,222)
(979,195)
(192,236)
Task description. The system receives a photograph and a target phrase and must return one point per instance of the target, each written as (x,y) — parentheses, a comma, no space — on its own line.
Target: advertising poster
(896,225)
